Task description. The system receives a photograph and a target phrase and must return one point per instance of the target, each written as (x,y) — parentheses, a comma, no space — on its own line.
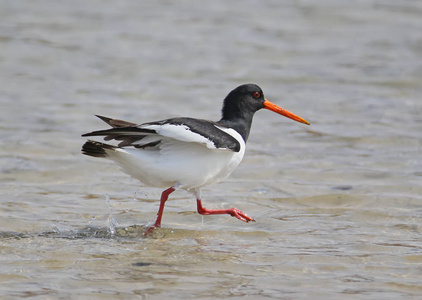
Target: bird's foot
(234,212)
(149,230)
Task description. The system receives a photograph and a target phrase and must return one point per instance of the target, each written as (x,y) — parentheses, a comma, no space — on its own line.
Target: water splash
(111,221)
(92,219)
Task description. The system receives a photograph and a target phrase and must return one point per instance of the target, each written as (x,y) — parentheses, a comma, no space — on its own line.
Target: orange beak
(271,106)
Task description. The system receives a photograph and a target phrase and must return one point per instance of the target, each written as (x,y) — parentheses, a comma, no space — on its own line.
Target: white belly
(188,165)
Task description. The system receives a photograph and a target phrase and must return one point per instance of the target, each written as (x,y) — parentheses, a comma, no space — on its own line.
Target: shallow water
(337,204)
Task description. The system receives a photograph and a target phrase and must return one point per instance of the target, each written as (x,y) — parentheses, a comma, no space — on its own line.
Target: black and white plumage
(185,153)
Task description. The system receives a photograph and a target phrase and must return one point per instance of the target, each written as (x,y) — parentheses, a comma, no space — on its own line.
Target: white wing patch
(236,135)
(148,139)
(181,133)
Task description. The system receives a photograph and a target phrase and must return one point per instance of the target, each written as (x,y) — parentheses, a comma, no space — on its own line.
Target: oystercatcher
(186,153)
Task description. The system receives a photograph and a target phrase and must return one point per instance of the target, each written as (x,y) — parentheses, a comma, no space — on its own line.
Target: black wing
(183,129)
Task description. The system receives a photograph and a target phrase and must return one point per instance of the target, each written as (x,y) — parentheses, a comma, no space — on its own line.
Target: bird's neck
(241,125)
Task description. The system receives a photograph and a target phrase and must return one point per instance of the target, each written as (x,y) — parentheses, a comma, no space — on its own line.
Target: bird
(185,153)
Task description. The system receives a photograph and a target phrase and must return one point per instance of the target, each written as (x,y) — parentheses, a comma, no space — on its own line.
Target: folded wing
(150,135)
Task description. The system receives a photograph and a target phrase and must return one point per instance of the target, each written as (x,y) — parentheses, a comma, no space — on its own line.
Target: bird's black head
(243,102)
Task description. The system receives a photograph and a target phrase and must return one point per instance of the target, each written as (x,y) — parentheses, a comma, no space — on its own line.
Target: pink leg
(164,197)
(234,212)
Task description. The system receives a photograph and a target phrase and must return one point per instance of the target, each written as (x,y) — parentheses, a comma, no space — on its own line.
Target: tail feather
(115,122)
(96,149)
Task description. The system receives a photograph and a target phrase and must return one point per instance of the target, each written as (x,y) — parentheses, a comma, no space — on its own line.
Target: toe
(242,216)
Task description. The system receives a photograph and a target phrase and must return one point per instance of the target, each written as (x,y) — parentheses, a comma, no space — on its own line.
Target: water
(337,204)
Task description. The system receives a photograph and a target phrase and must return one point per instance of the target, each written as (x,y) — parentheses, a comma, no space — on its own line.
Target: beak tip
(271,106)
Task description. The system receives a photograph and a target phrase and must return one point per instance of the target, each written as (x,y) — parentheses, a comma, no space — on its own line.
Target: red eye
(256,94)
